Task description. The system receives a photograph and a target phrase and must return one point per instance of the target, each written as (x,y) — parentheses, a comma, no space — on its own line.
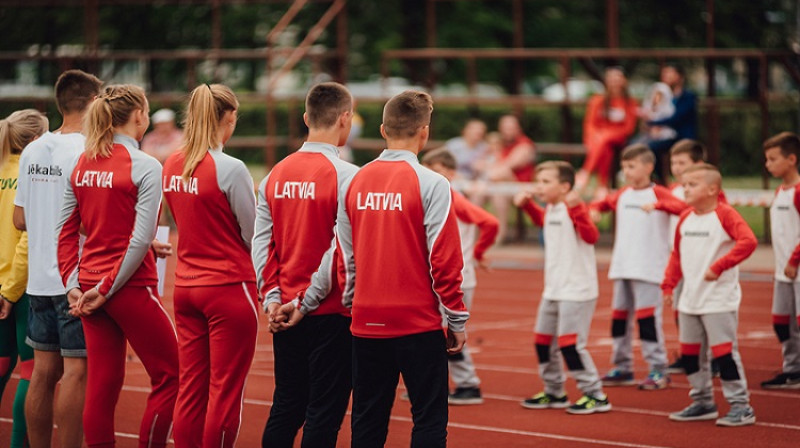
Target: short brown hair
(439,155)
(695,150)
(75,89)
(788,142)
(406,113)
(638,151)
(325,102)
(566,173)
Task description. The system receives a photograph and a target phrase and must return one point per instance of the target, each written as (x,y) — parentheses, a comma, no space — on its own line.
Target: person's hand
(522,197)
(89,302)
(455,341)
(5,308)
(649,207)
(668,299)
(790,271)
(595,215)
(73,296)
(572,199)
(162,250)
(275,317)
(710,276)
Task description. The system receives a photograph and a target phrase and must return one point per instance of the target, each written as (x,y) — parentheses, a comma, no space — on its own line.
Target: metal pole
(519,42)
(712,121)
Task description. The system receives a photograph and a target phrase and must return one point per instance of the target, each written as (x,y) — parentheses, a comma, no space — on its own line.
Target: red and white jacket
(718,240)
(295,221)
(570,267)
(471,220)
(402,253)
(784,218)
(117,200)
(641,239)
(215,213)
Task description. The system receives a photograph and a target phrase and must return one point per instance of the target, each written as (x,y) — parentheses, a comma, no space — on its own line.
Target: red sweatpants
(217,327)
(600,157)
(134,314)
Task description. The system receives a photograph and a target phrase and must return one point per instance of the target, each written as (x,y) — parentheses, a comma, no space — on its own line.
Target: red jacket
(399,238)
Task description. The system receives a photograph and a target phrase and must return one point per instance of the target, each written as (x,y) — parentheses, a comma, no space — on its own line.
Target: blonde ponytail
(112,108)
(19,129)
(204,112)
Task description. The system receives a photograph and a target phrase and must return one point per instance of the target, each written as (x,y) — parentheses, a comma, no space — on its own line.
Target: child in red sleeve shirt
(711,240)
(211,197)
(570,291)
(641,251)
(782,153)
(471,219)
(115,194)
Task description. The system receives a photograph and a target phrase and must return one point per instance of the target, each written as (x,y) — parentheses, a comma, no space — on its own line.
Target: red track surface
(500,335)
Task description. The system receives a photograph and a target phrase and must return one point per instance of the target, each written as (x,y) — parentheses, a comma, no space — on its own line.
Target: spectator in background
(513,164)
(468,148)
(165,138)
(610,121)
(683,120)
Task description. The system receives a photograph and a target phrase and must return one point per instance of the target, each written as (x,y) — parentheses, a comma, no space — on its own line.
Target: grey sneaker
(695,412)
(738,416)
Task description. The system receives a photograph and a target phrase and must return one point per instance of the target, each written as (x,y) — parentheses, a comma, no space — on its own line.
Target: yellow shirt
(13,243)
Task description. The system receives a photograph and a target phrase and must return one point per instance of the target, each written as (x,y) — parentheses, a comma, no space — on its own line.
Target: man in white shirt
(56,337)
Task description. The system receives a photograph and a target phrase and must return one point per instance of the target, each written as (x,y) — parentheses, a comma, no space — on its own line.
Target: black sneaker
(465,395)
(783,381)
(589,405)
(544,400)
(676,367)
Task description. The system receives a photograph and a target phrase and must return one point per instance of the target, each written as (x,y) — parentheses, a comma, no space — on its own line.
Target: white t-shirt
(641,240)
(718,240)
(44,171)
(784,221)
(570,269)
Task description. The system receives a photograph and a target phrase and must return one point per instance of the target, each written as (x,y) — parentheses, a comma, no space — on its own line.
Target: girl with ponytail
(114,193)
(215,292)
(16,131)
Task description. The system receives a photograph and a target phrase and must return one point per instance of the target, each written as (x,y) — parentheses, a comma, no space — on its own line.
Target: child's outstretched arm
(667,202)
(524,200)
(746,242)
(579,213)
(488,225)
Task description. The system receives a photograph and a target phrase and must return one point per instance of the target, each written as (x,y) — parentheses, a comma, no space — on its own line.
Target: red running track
(500,334)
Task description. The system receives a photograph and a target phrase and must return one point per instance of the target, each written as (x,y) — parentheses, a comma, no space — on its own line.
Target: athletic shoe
(617,377)
(655,381)
(738,416)
(589,405)
(783,381)
(695,412)
(544,400)
(676,367)
(465,395)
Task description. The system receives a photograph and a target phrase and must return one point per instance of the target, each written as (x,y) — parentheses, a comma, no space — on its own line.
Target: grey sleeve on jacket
(235,181)
(321,281)
(260,247)
(146,174)
(68,207)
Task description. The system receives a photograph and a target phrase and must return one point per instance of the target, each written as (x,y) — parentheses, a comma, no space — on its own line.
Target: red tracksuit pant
(134,314)
(217,327)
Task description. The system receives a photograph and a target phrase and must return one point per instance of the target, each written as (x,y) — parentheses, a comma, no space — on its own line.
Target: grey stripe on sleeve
(321,281)
(261,240)
(436,199)
(146,175)
(235,181)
